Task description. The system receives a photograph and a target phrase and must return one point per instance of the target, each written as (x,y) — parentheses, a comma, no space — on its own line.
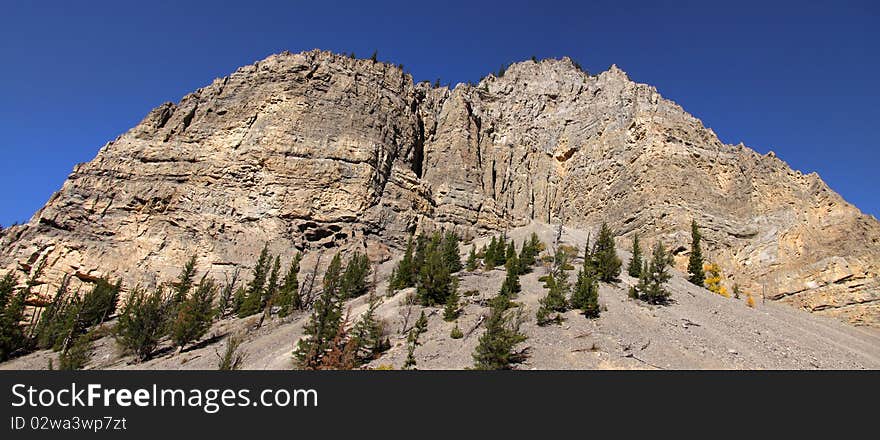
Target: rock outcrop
(317,151)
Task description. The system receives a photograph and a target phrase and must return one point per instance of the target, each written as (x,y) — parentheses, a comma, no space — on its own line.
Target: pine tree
(12,336)
(561,261)
(635,263)
(652,288)
(354,279)
(66,320)
(501,250)
(421,325)
(184,282)
(490,260)
(420,257)
(289,298)
(227,298)
(633,292)
(250,304)
(554,303)
(510,254)
(67,325)
(495,348)
(232,357)
(695,263)
(59,323)
(142,322)
(78,354)
(558,287)
(412,339)
(526,258)
(271,289)
(535,244)
(527,253)
(644,280)
(403,273)
(472,259)
(452,308)
(52,327)
(342,354)
(456,332)
(195,314)
(253,300)
(332,277)
(369,334)
(736,291)
(238,300)
(605,256)
(586,295)
(323,324)
(7,288)
(98,304)
(451,252)
(435,282)
(510,286)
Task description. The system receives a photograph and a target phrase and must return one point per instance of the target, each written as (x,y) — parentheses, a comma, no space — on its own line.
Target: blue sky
(798,78)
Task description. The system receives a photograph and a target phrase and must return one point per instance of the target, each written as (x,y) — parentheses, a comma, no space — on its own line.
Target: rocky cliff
(315,151)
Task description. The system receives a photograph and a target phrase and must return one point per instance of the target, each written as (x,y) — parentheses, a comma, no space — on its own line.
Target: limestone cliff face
(549,143)
(301,151)
(316,151)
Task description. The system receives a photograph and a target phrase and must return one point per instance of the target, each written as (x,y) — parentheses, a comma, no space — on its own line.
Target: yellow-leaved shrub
(713,279)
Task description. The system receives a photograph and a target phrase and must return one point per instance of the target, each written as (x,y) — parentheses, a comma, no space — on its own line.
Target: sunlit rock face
(317,152)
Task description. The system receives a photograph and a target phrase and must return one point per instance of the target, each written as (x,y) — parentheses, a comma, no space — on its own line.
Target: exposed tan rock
(315,151)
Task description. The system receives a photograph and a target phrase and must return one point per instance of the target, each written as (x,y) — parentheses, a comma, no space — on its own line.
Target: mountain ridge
(317,151)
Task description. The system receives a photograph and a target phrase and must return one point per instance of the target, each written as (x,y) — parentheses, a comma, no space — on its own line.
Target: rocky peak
(616,72)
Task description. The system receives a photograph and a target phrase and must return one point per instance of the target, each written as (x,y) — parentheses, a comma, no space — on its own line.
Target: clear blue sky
(800,78)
